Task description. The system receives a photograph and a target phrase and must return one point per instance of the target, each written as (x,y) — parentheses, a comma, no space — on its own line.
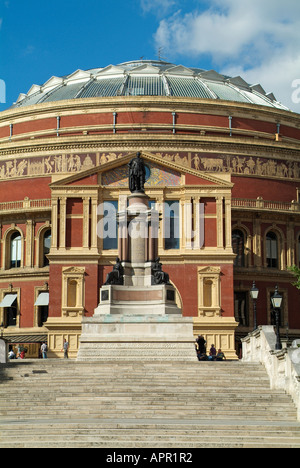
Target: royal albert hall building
(216,149)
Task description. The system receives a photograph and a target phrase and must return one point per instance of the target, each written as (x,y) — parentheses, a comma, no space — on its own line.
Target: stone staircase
(57,404)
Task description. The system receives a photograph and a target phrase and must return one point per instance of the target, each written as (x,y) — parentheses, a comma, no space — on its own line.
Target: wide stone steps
(150,436)
(58,403)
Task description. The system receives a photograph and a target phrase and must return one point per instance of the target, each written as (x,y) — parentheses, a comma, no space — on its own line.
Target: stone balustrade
(26,204)
(260,204)
(3,351)
(283,367)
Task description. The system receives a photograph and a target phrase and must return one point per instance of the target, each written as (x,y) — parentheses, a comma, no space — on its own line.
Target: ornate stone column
(86,223)
(62,222)
(220,228)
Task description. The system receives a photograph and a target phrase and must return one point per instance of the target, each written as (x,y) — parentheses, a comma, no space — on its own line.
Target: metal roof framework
(148,78)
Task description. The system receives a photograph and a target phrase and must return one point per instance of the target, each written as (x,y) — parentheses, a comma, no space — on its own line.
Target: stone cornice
(151,142)
(264,274)
(165,103)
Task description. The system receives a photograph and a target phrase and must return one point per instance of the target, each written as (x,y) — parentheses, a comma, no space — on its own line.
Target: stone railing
(261,204)
(25,205)
(3,351)
(283,367)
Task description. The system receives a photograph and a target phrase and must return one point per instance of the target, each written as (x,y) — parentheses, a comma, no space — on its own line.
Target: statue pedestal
(137,322)
(137,300)
(137,337)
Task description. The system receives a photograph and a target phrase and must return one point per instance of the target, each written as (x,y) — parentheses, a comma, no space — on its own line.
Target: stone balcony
(259,204)
(25,205)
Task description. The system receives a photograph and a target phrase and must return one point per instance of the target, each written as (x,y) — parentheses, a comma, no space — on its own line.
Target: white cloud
(280,75)
(160,7)
(260,40)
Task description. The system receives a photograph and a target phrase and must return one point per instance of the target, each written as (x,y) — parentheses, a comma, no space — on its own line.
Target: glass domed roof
(147,78)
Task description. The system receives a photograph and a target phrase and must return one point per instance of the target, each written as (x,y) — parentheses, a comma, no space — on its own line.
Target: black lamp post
(276,303)
(254,295)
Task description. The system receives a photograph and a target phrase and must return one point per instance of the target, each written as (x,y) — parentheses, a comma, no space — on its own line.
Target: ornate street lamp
(276,303)
(254,295)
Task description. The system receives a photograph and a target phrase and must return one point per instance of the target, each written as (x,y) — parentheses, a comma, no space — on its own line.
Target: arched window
(46,247)
(15,250)
(238,246)
(272,250)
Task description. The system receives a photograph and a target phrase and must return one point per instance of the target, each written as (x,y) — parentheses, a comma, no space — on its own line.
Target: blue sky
(257,39)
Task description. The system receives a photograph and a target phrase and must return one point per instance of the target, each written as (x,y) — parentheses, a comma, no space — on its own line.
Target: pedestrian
(202,357)
(66,349)
(201,344)
(220,355)
(44,349)
(212,353)
(11,355)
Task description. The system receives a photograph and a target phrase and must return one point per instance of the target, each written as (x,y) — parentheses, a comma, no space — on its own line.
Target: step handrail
(282,366)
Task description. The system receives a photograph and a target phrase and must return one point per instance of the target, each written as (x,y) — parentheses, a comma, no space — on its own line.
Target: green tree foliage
(296,271)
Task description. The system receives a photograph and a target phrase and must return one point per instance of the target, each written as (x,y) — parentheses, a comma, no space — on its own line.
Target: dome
(148,78)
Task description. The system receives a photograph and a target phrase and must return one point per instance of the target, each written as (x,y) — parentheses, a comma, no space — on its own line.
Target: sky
(256,39)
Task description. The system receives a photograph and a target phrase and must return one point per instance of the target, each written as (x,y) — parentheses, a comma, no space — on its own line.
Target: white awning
(43,299)
(8,300)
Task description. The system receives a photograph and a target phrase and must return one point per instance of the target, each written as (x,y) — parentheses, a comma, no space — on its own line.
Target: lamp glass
(276,300)
(254,292)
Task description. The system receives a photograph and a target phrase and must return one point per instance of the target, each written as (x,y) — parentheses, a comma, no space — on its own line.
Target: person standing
(44,350)
(66,349)
(201,344)
(212,353)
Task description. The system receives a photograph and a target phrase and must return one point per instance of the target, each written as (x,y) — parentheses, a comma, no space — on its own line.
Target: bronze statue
(116,275)
(159,276)
(137,174)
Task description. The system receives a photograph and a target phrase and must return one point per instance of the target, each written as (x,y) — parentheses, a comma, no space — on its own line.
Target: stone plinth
(137,274)
(137,300)
(137,337)
(133,322)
